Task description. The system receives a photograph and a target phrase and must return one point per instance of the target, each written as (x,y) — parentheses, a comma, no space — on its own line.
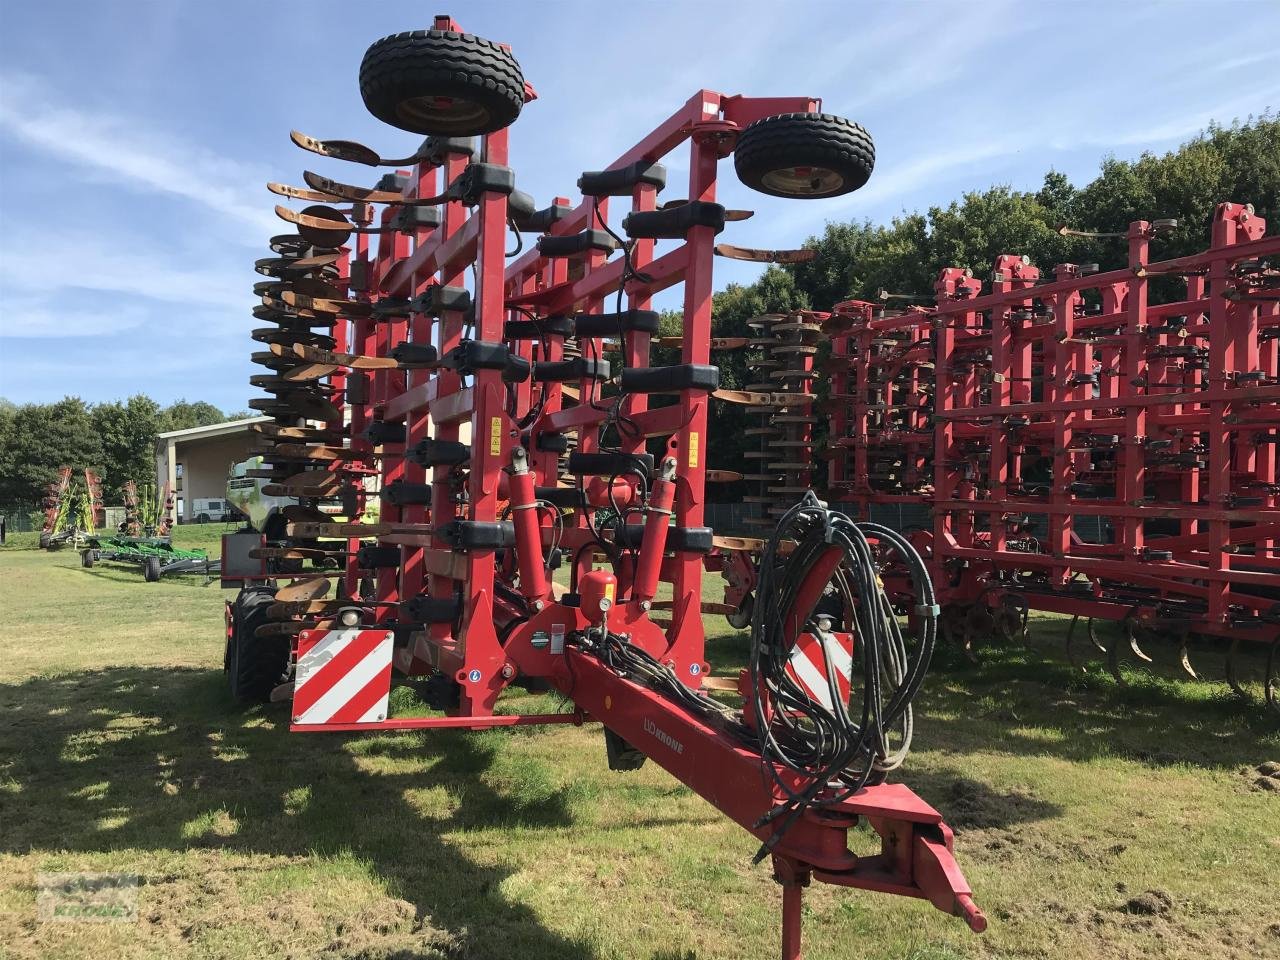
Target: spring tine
(966,646)
(1233,681)
(1071,633)
(1132,628)
(1272,684)
(1184,657)
(1113,661)
(1093,637)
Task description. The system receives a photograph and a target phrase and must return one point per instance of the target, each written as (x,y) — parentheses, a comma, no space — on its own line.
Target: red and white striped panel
(808,667)
(343,676)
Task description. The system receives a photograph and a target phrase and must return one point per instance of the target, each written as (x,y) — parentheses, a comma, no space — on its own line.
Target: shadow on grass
(145,758)
(1028,699)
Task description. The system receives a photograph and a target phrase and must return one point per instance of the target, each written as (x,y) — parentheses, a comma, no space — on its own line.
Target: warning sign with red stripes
(808,665)
(343,676)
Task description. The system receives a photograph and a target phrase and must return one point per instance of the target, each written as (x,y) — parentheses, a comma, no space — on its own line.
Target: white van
(211,510)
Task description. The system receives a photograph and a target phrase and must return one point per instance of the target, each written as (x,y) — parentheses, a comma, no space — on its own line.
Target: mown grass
(1071,798)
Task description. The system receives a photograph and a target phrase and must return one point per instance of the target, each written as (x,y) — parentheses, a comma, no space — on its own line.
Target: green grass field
(1092,820)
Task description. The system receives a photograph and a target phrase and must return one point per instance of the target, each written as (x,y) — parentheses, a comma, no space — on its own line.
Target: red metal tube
(524,514)
(654,544)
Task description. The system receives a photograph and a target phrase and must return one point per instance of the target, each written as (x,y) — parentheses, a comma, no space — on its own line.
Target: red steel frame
(1080,397)
(492,642)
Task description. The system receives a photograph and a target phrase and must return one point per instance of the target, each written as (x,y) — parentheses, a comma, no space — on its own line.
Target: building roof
(210,431)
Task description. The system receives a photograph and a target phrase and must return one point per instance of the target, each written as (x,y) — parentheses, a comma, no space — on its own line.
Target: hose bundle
(834,751)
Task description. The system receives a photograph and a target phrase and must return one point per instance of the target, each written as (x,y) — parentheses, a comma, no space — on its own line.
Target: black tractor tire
(44,540)
(805,156)
(441,83)
(203,518)
(151,570)
(254,664)
(86,559)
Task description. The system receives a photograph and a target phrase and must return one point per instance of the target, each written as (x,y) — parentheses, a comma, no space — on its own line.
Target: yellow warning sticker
(495,436)
(608,592)
(693,450)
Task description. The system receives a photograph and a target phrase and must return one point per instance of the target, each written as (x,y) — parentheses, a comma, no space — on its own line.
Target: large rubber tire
(805,156)
(441,83)
(86,559)
(44,540)
(151,570)
(254,664)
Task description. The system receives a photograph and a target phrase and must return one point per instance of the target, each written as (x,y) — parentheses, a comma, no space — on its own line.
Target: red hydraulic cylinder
(654,543)
(524,515)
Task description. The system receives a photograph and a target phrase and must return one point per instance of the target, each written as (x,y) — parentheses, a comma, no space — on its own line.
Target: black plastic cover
(683,376)
(392,307)
(540,221)
(481,178)
(560,325)
(520,205)
(601,464)
(553,442)
(674,223)
(679,539)
(392,182)
(408,219)
(472,355)
(578,244)
(433,609)
(579,368)
(401,493)
(620,182)
(478,534)
(435,300)
(437,453)
(437,149)
(379,432)
(565,498)
(615,324)
(376,556)
(415,354)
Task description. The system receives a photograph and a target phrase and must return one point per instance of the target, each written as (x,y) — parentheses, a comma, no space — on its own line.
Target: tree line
(116,439)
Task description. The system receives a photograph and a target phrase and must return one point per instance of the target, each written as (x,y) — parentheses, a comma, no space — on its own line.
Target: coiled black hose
(835,752)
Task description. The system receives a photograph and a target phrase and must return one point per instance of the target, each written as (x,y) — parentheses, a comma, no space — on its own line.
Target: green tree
(183,414)
(38,439)
(127,432)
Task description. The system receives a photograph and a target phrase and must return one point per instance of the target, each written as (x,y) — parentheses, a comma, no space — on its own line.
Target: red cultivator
(1102,445)
(503,409)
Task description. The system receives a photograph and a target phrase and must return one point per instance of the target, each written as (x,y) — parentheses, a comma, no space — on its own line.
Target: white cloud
(68,262)
(128,151)
(35,317)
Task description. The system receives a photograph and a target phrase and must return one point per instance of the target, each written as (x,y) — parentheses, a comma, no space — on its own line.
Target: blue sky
(135,137)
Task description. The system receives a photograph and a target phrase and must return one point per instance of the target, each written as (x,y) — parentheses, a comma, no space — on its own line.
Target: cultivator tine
(730,216)
(297,193)
(346,191)
(1184,657)
(731,252)
(1271,684)
(1071,633)
(347,150)
(1232,673)
(312,588)
(1093,636)
(1132,628)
